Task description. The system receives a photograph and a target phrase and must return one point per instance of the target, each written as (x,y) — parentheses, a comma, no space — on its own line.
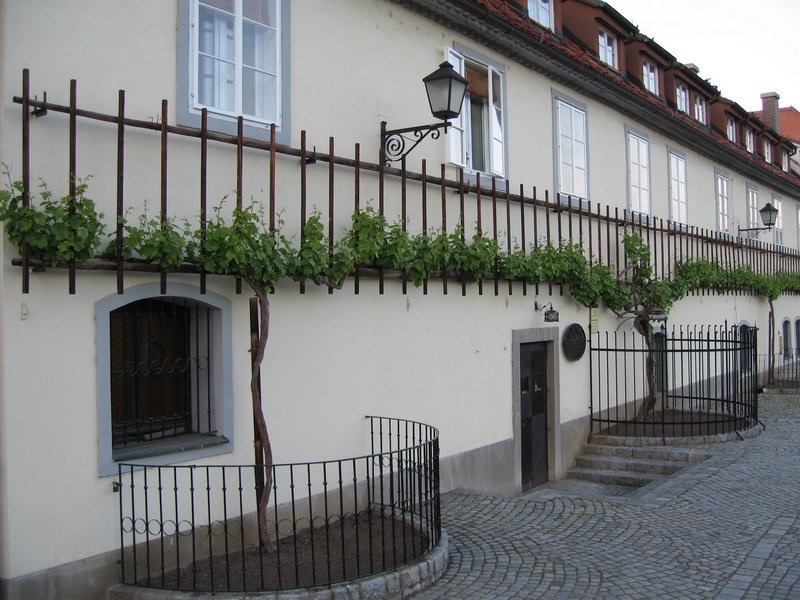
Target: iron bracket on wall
(394,142)
(41,110)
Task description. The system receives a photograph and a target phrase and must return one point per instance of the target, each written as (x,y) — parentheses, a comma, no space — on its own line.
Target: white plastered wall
(440,359)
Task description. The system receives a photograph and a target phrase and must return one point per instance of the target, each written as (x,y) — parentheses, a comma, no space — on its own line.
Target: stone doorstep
(402,583)
(613,476)
(624,463)
(667,453)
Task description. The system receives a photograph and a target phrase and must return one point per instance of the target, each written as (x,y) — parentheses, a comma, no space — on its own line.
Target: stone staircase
(623,461)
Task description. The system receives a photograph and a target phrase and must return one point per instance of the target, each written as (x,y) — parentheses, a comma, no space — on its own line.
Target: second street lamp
(769,216)
(445,89)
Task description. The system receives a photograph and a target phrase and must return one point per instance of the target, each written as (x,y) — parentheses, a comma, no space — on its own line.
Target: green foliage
(242,247)
(61,229)
(153,240)
(314,261)
(367,236)
(70,229)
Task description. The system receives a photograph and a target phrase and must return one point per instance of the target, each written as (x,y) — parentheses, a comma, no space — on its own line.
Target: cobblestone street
(725,528)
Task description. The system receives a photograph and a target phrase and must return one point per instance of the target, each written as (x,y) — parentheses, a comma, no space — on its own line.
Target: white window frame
(722,192)
(238,66)
(778,228)
(678,187)
(638,155)
(607,48)
(768,151)
(541,11)
(731,129)
(571,149)
(700,109)
(187,111)
(753,216)
(749,140)
(650,76)
(682,97)
(459,133)
(797,245)
(785,161)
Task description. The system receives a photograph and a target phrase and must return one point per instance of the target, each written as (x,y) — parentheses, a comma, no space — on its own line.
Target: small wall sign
(573,341)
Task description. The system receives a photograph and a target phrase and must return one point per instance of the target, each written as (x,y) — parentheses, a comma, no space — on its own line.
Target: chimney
(769,104)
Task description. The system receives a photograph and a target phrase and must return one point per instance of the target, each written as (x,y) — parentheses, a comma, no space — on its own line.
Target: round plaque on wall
(574,341)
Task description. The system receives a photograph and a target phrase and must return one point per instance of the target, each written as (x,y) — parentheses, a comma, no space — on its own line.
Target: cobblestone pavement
(726,528)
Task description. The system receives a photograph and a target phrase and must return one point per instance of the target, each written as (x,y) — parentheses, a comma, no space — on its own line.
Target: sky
(744,47)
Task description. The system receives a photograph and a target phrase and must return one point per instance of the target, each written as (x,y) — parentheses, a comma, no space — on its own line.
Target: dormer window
(700,109)
(650,76)
(732,129)
(682,98)
(768,151)
(607,48)
(749,140)
(785,161)
(541,11)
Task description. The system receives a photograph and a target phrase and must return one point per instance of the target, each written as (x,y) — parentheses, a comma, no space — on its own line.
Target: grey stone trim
(221,335)
(472,20)
(87,579)
(486,470)
(526,336)
(402,583)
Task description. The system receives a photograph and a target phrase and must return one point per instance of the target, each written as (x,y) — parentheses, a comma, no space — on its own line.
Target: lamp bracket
(395,142)
(744,230)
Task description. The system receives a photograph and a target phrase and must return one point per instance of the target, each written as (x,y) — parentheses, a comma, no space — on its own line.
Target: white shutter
(496,119)
(456,134)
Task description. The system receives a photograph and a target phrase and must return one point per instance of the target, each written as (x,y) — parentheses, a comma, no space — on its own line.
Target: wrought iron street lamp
(445,89)
(769,215)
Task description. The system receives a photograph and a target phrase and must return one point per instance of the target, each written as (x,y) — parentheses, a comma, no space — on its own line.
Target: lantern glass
(769,214)
(445,89)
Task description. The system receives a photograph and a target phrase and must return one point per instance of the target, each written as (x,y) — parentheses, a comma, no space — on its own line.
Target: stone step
(625,463)
(628,478)
(672,453)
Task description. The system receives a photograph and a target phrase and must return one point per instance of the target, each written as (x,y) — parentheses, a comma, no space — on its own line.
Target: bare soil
(345,549)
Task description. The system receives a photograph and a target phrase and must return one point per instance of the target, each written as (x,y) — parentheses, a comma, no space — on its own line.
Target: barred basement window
(164,376)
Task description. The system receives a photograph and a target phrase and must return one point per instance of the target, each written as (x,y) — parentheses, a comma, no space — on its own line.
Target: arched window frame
(221,336)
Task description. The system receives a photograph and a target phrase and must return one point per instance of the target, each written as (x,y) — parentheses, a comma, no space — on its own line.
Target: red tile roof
(503,9)
(789,122)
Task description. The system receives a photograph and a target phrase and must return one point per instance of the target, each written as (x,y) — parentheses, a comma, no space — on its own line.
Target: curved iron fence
(197,527)
(705,381)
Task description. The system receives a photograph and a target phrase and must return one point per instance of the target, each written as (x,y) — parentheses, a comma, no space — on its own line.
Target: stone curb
(782,391)
(618,440)
(402,583)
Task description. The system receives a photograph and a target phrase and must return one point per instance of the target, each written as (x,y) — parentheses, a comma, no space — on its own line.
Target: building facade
(568,106)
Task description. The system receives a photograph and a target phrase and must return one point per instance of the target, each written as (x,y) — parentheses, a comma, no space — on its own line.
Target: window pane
(497,90)
(216,34)
(477,134)
(259,94)
(261,11)
(226,5)
(456,139)
(216,83)
(497,157)
(565,121)
(259,47)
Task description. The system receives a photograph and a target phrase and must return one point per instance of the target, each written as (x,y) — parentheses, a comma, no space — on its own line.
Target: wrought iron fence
(704,381)
(782,372)
(197,527)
